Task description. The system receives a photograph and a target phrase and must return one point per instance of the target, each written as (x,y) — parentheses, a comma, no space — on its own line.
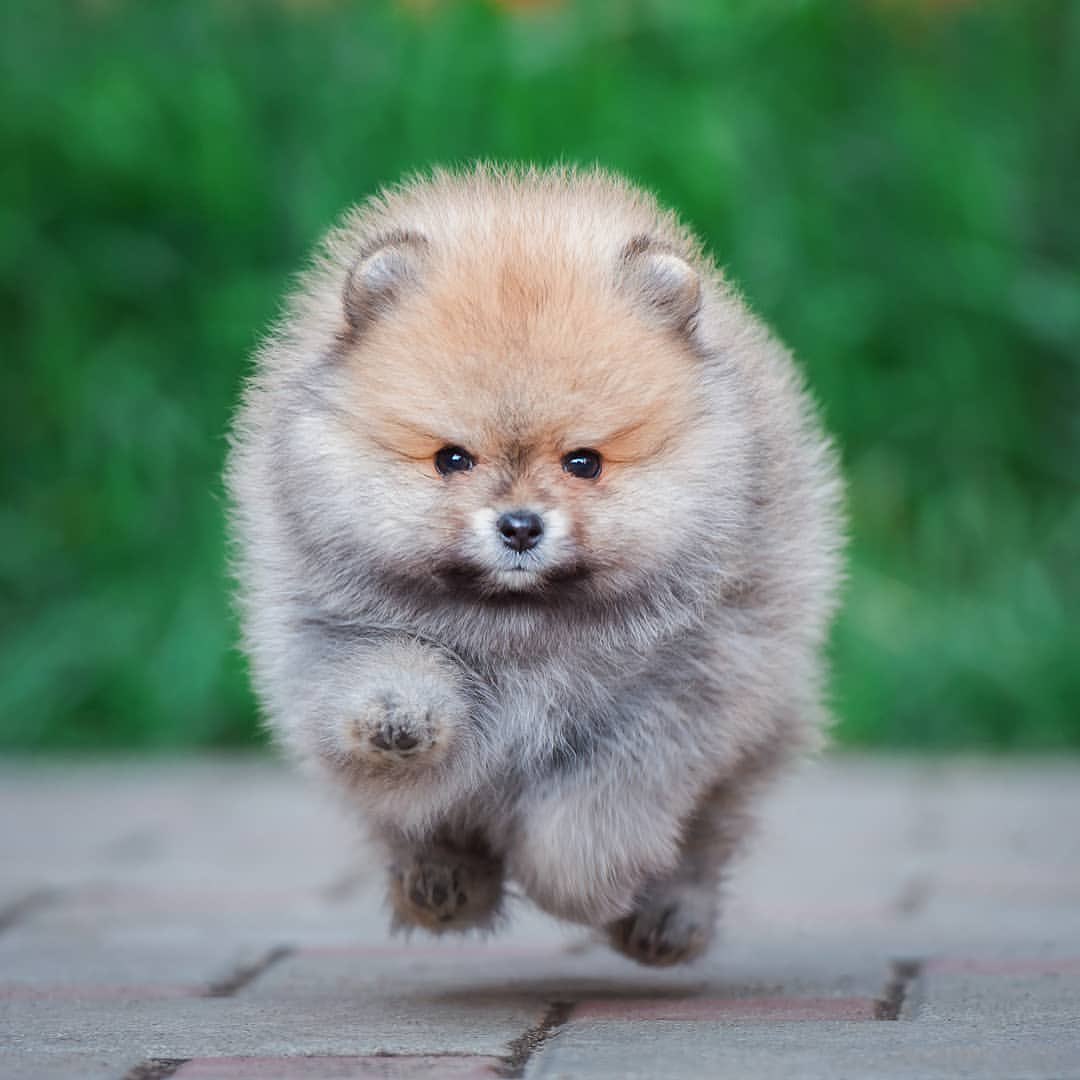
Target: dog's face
(519,426)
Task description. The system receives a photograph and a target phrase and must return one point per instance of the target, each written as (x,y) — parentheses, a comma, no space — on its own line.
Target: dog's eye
(585,464)
(451,459)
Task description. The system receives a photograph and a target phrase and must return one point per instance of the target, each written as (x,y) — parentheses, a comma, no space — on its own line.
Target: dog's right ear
(663,282)
(378,278)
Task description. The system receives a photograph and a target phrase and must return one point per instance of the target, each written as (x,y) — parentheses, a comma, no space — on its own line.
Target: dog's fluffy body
(587,717)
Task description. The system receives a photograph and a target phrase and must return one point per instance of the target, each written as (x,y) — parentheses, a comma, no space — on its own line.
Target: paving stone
(1007,990)
(1011,812)
(331,1024)
(1008,963)
(770,1050)
(783,881)
(15,1065)
(172,822)
(740,1007)
(35,963)
(441,1067)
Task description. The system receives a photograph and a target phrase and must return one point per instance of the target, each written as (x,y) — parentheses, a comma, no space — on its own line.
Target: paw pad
(394,739)
(389,730)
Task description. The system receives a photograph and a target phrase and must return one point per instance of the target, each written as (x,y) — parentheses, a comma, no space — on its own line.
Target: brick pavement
(218,920)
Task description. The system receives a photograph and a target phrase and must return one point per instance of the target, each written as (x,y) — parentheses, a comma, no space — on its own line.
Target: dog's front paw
(441,890)
(397,711)
(668,926)
(398,729)
(390,730)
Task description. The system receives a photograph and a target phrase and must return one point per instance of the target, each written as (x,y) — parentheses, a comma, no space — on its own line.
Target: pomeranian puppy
(537,536)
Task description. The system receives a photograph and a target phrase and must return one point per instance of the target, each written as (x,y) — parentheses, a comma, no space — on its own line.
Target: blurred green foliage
(894,185)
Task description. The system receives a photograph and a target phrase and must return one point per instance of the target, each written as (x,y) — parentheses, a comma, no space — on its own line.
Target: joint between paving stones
(902,974)
(344,886)
(155,1069)
(522,1050)
(913,897)
(24,906)
(245,974)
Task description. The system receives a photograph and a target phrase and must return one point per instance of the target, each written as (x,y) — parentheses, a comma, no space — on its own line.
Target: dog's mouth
(516,585)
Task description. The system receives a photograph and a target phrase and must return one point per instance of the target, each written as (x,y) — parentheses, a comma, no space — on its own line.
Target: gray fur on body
(596,736)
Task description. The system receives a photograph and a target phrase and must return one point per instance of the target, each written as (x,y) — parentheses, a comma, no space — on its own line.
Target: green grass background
(894,185)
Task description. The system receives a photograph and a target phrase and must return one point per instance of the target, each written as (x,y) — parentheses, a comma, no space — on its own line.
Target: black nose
(520,529)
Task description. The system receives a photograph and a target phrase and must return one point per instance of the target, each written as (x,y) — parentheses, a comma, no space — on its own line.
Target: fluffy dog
(537,536)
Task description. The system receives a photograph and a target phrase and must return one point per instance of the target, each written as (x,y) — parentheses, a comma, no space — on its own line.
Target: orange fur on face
(520,359)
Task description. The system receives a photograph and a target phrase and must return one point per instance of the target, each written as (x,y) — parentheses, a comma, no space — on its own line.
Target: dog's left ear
(380,275)
(663,282)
